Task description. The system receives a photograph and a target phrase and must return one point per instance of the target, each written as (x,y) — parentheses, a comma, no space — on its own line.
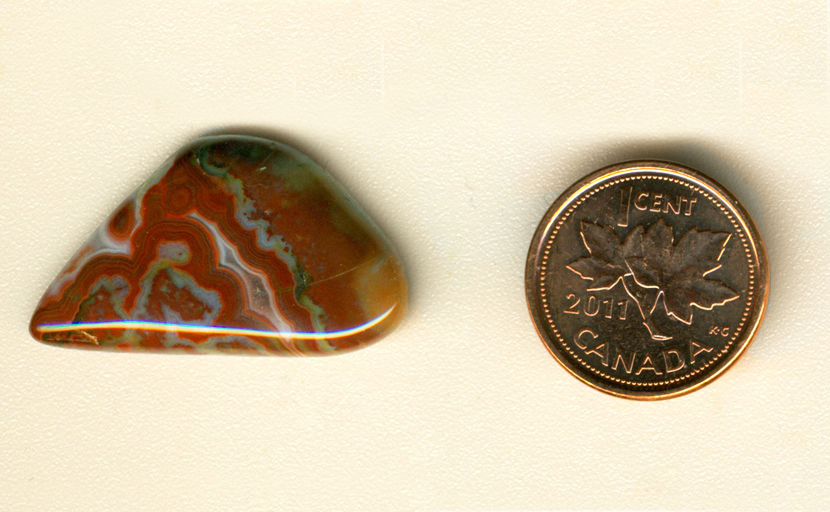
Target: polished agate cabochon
(236,245)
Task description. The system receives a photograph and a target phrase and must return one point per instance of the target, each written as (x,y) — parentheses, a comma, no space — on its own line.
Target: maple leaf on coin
(606,264)
(680,271)
(651,266)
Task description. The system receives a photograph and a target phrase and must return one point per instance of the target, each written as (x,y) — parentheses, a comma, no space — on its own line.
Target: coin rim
(754,239)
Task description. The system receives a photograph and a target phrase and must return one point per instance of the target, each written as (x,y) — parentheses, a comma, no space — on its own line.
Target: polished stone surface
(235,245)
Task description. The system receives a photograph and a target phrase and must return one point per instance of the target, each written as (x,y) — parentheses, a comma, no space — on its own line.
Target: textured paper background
(455,128)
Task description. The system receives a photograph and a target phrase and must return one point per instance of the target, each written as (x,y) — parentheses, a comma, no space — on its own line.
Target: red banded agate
(235,245)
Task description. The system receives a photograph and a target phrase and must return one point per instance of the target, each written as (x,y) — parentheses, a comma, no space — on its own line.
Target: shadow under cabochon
(235,245)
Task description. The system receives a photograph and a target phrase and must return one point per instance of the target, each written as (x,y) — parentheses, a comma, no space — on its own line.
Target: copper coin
(647,280)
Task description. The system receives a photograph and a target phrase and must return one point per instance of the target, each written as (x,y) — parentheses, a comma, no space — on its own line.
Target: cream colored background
(455,128)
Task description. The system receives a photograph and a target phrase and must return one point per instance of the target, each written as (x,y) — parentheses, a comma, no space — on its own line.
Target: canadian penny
(647,280)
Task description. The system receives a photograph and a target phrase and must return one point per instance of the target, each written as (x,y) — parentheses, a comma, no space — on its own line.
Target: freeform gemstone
(235,245)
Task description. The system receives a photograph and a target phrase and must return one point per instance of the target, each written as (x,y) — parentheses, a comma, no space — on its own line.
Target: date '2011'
(593,306)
